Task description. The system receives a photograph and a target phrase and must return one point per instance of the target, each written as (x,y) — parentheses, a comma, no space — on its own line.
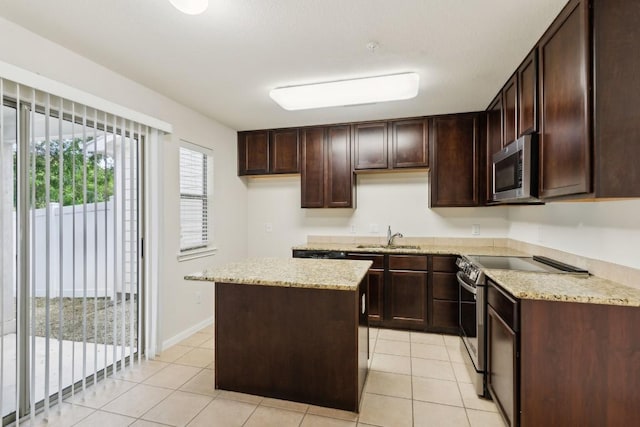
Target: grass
(82,316)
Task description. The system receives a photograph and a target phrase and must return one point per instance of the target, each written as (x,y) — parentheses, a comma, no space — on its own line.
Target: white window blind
(195,170)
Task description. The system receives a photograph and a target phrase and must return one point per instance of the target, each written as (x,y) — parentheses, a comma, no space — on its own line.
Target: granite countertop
(343,275)
(565,287)
(429,249)
(522,285)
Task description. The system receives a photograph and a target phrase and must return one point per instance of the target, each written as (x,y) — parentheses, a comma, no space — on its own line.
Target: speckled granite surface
(523,285)
(559,287)
(289,272)
(434,249)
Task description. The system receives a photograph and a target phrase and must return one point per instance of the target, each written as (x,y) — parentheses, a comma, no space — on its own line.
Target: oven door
(471,308)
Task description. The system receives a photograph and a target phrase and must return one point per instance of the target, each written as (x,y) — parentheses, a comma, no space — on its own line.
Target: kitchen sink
(388,247)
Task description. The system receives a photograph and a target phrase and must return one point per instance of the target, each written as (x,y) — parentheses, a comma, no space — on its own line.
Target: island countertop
(341,274)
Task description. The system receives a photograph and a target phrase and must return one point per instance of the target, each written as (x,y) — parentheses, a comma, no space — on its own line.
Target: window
(195,172)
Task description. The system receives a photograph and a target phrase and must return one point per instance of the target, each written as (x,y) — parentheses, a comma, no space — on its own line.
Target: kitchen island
(293,329)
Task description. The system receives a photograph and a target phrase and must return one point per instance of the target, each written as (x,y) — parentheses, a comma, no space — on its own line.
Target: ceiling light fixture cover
(347,92)
(190,7)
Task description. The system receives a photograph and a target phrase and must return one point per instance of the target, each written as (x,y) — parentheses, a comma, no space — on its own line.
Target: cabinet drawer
(503,304)
(445,314)
(378,260)
(446,263)
(445,286)
(408,262)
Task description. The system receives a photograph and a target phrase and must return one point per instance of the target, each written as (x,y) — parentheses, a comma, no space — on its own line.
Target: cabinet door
(528,95)
(495,139)
(502,366)
(407,299)
(510,100)
(376,285)
(445,300)
(284,155)
(370,149)
(455,161)
(564,104)
(376,296)
(253,153)
(410,144)
(338,176)
(312,171)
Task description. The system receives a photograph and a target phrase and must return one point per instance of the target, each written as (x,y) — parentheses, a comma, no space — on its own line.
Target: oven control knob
(473,275)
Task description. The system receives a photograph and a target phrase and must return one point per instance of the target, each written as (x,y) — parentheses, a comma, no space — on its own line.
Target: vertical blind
(70,247)
(194,198)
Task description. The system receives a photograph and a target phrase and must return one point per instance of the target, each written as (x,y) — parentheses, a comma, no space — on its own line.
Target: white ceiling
(224,62)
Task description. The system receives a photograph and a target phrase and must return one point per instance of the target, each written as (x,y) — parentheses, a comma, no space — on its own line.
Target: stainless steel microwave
(515,171)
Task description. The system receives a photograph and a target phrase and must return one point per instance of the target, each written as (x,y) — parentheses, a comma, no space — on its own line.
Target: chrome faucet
(390,236)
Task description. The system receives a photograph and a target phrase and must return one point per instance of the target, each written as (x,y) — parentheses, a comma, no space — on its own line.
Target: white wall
(608,231)
(179,310)
(396,199)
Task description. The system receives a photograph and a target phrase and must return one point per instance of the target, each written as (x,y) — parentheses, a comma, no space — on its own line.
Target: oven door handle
(464,284)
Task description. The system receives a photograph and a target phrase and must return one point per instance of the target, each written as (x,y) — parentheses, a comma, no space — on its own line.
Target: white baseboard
(186,333)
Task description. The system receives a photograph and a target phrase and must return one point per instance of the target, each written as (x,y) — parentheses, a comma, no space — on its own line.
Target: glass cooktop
(513,263)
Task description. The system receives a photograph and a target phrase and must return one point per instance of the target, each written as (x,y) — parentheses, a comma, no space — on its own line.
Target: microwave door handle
(465,284)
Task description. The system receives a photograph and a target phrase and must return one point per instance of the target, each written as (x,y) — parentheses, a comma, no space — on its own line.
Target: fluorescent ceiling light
(190,7)
(347,92)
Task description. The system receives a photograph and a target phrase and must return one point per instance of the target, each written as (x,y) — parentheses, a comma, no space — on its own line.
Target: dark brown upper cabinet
(312,167)
(409,140)
(564,104)
(397,144)
(326,176)
(253,152)
(457,173)
(510,109)
(528,94)
(268,152)
(495,140)
(589,86)
(370,146)
(284,154)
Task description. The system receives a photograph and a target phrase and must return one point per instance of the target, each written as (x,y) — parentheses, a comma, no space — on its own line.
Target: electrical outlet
(198,297)
(352,229)
(268,227)
(475,229)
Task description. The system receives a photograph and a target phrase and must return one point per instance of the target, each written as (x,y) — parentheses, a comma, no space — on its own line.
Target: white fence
(81,252)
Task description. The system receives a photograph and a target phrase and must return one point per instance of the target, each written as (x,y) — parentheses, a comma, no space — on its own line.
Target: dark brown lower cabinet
(444,288)
(398,290)
(376,298)
(375,277)
(502,352)
(300,344)
(407,293)
(502,364)
(555,364)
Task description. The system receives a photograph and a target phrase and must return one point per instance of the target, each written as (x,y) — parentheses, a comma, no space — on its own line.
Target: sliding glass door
(8,251)
(70,224)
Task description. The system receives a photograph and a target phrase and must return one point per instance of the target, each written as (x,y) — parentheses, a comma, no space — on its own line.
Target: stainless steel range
(472,303)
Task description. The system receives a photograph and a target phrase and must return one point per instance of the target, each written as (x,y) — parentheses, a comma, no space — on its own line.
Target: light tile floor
(416,379)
